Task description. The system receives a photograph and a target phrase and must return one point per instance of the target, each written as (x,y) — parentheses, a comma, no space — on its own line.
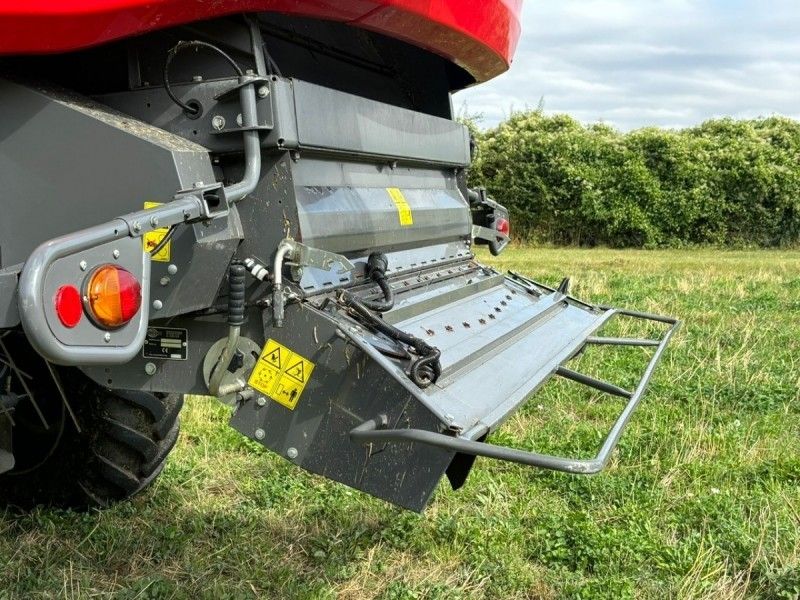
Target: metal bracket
(213,198)
(497,241)
(299,255)
(232,93)
(306,256)
(187,207)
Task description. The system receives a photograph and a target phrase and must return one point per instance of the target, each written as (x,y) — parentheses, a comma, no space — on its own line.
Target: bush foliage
(725,182)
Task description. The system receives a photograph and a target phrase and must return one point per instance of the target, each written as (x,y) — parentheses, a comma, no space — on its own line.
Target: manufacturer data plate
(167,343)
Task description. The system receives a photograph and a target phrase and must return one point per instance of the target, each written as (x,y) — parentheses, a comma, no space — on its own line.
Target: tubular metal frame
(375,430)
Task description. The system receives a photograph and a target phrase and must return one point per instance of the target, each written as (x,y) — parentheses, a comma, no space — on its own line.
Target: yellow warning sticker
(281,374)
(151,239)
(403,208)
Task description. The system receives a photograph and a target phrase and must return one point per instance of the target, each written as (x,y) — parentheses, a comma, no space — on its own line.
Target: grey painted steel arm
(252,145)
(30,292)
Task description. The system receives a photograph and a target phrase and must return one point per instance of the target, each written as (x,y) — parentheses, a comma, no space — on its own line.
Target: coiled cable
(183,45)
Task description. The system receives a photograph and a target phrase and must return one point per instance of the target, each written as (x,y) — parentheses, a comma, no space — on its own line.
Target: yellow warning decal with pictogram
(403,208)
(151,239)
(281,374)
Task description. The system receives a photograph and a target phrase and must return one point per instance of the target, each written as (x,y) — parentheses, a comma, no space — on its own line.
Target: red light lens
(503,226)
(114,296)
(68,306)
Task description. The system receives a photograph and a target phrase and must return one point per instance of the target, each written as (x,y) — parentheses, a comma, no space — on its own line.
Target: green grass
(702,499)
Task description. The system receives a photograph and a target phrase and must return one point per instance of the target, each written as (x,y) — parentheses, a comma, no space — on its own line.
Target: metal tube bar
(225,359)
(257,45)
(611,341)
(369,432)
(642,315)
(252,147)
(284,248)
(598,384)
(622,420)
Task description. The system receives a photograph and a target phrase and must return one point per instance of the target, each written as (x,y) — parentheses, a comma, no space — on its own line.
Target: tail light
(503,226)
(68,306)
(113,296)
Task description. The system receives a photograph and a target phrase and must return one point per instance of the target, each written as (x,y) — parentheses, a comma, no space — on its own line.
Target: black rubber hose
(388,295)
(377,264)
(236,293)
(426,369)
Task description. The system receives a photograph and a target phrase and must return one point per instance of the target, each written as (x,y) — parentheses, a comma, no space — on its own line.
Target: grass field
(702,499)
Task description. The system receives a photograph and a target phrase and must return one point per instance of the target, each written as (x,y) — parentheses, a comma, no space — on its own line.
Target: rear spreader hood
(480,36)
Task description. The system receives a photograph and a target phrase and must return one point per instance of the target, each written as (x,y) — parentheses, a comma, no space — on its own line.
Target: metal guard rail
(374,430)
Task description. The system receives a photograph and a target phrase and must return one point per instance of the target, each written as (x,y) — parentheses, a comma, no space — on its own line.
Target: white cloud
(647,62)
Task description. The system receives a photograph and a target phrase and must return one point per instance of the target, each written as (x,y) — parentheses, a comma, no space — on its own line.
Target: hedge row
(725,182)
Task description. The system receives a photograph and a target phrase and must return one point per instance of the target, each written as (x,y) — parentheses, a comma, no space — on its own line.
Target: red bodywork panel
(479,35)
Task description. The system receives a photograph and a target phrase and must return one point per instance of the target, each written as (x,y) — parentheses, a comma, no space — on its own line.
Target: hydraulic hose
(426,369)
(284,248)
(377,264)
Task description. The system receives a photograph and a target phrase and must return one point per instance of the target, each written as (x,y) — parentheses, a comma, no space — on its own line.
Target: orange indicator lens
(114,296)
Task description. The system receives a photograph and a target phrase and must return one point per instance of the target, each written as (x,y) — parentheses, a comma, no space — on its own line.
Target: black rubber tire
(122,445)
(136,432)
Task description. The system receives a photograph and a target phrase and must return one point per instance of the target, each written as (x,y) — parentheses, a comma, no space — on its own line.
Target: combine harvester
(265,201)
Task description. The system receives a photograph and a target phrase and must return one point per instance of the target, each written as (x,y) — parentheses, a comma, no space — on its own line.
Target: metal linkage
(598,384)
(375,430)
(236,307)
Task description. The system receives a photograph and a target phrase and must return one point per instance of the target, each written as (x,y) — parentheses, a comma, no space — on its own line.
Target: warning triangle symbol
(274,358)
(297,371)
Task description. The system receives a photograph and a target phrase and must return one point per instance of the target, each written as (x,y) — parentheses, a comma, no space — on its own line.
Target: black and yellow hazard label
(151,239)
(403,208)
(281,374)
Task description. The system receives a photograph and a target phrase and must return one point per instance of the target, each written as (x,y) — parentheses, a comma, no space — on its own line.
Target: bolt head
(172,269)
(197,78)
(83,265)
(154,221)
(261,401)
(263,91)
(107,337)
(150,368)
(115,253)
(260,433)
(165,281)
(239,120)
(137,227)
(158,304)
(218,122)
(292,453)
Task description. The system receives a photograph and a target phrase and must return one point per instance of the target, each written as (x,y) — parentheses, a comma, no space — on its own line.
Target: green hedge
(725,182)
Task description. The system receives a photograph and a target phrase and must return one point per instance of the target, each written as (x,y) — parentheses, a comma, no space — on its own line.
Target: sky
(636,63)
